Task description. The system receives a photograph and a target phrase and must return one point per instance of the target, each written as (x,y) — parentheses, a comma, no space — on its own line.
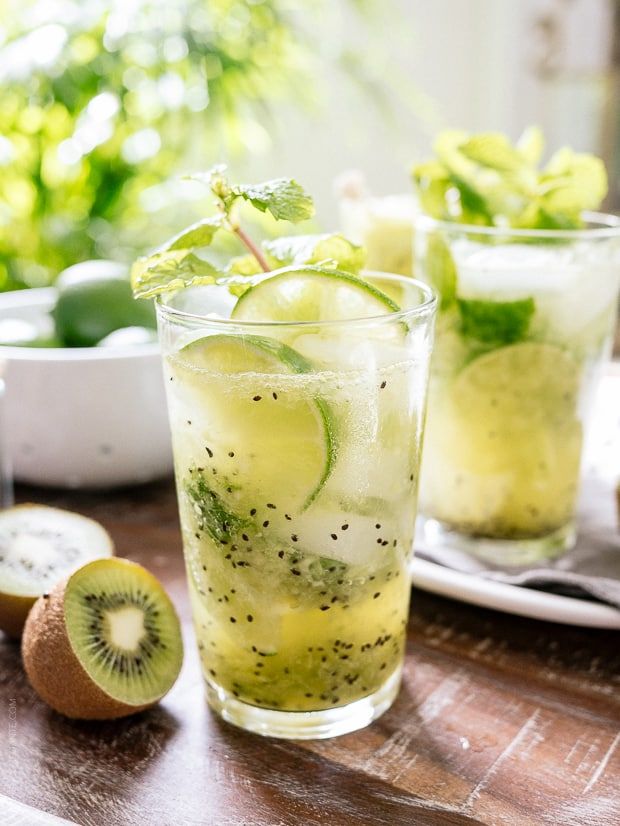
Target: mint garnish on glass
(183,260)
(486,180)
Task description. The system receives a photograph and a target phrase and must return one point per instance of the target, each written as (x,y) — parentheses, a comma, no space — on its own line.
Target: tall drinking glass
(297,448)
(525,323)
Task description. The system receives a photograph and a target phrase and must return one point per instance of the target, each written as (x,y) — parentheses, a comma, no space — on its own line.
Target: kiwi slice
(105,643)
(39,546)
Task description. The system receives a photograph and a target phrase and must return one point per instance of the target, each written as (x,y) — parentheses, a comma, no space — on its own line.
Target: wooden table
(501,720)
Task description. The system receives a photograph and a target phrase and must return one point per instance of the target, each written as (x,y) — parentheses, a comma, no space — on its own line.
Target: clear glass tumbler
(384,227)
(524,326)
(297,448)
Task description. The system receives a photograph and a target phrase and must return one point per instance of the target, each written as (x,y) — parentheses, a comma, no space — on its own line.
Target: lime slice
(521,384)
(266,437)
(503,443)
(312,294)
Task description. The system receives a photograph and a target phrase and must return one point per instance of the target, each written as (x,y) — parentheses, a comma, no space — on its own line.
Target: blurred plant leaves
(103,104)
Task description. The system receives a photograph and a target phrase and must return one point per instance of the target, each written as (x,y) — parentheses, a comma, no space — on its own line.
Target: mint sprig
(284,198)
(484,179)
(177,263)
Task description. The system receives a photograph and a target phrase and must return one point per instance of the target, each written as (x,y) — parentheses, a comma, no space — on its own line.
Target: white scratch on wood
(576,745)
(390,756)
(528,727)
(602,765)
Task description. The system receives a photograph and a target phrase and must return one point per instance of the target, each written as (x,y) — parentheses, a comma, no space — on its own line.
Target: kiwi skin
(55,672)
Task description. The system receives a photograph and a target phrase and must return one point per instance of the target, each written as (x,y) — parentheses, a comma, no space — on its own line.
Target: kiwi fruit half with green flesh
(105,643)
(39,546)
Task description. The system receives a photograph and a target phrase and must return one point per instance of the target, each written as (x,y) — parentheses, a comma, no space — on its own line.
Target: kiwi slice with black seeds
(105,643)
(39,546)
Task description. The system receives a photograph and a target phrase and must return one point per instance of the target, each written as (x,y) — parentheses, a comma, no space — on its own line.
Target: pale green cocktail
(524,326)
(297,448)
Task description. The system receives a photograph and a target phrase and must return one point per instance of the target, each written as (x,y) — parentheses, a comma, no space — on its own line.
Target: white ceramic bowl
(89,417)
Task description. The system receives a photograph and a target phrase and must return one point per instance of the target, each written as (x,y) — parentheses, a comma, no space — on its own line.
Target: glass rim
(422,310)
(607,226)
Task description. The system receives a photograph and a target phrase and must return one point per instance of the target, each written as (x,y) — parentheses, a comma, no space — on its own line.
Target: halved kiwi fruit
(105,643)
(39,546)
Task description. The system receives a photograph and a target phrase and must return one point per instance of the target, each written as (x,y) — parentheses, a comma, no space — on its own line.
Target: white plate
(602,461)
(525,602)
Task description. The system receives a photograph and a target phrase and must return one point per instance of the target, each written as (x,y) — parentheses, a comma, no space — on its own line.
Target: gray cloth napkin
(592,569)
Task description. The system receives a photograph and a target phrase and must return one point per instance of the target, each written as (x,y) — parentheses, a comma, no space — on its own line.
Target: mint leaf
(496,322)
(200,234)
(245,265)
(315,249)
(170,270)
(284,198)
(474,207)
(531,145)
(494,150)
(210,511)
(297,250)
(573,181)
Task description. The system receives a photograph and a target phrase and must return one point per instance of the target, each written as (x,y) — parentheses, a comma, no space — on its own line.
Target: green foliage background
(103,102)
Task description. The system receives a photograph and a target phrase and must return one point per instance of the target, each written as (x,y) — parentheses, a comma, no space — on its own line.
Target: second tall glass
(525,323)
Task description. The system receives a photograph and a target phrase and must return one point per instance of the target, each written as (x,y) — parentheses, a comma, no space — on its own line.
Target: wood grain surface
(501,721)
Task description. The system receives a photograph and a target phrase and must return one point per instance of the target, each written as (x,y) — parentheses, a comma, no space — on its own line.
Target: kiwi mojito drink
(526,318)
(296,406)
